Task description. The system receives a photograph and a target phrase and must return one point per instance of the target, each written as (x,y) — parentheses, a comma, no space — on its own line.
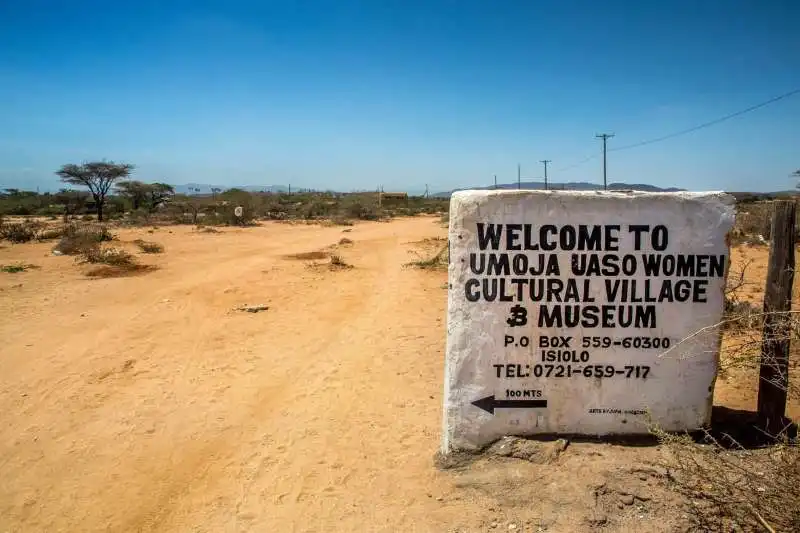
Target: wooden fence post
(774,372)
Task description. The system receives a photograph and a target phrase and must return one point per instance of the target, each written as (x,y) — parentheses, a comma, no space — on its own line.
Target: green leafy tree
(148,195)
(157,194)
(97,176)
(133,191)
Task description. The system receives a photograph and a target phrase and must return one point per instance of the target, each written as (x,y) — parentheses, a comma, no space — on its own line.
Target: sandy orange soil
(148,403)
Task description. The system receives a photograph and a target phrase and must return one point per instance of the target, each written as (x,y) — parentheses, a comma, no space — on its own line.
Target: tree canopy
(97,176)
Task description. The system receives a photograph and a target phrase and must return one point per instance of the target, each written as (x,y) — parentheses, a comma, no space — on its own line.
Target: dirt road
(147,403)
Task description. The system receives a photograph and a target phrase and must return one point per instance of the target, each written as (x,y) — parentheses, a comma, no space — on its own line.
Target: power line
(579,163)
(685,131)
(707,124)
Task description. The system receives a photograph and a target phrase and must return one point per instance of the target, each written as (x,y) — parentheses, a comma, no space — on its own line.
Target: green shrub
(13,269)
(361,208)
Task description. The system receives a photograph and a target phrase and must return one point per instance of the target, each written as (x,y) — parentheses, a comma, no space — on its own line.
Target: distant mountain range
(570,186)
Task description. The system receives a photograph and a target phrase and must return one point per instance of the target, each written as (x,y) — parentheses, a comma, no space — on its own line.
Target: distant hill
(570,186)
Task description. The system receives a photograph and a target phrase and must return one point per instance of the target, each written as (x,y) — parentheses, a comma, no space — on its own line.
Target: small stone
(439,498)
(512,527)
(493,525)
(627,499)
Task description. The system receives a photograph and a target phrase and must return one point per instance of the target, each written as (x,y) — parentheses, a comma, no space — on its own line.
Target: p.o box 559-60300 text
(588,313)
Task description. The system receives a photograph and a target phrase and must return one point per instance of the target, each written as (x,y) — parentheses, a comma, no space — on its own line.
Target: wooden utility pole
(495,181)
(545,161)
(519,177)
(773,380)
(605,137)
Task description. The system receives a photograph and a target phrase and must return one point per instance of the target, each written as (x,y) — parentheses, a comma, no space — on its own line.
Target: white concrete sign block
(574,312)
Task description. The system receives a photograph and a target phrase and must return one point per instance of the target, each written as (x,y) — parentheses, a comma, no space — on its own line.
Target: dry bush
(739,315)
(80,238)
(345,241)
(729,488)
(438,261)
(754,219)
(739,478)
(149,247)
(107,256)
(20,232)
(51,233)
(337,262)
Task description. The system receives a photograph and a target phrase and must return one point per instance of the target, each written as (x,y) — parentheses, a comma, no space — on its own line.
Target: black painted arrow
(489,404)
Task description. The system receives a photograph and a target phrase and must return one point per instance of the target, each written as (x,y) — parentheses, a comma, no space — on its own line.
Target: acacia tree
(157,194)
(134,191)
(97,176)
(150,195)
(194,204)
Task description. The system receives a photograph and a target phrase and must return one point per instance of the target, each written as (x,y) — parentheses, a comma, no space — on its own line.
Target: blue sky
(355,94)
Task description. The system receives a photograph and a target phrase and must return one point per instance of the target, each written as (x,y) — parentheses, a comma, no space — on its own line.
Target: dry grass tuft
(20,267)
(149,247)
(308,256)
(438,261)
(338,263)
(729,488)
